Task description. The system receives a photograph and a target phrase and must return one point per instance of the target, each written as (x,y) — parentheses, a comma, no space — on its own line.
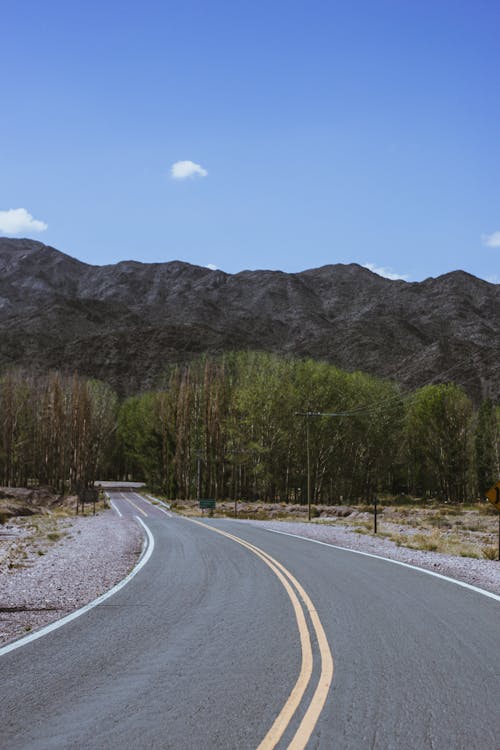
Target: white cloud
(18,220)
(211,266)
(387,273)
(181,170)
(491,240)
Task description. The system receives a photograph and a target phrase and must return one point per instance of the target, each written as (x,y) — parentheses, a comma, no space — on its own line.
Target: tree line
(54,429)
(234,427)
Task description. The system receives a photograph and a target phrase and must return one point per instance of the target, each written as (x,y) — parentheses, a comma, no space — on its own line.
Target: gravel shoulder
(52,566)
(482,573)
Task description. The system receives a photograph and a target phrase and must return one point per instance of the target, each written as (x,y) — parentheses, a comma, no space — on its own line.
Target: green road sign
(207,504)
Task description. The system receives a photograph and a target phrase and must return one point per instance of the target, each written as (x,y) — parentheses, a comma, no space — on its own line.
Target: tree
(438,435)
(485,445)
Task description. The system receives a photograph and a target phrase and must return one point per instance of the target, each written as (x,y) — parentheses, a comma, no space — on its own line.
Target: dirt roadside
(51,565)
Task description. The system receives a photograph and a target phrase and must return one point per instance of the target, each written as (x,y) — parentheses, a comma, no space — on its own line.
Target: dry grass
(466,531)
(490,552)
(435,541)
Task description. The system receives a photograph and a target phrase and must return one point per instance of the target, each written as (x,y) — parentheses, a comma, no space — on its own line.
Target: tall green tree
(439,439)
(485,445)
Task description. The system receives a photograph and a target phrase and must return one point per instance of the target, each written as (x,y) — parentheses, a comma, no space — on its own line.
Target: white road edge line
(146,554)
(120,514)
(149,499)
(490,594)
(164,511)
(115,508)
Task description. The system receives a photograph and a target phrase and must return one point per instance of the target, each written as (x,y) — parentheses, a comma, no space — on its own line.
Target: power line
(398,397)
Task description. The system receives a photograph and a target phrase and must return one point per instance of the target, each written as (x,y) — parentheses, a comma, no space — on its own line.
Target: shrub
(490,552)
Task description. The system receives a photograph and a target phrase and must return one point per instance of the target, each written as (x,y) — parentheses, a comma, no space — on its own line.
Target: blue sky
(359,131)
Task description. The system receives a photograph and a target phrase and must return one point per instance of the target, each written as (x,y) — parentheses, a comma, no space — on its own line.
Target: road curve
(204,648)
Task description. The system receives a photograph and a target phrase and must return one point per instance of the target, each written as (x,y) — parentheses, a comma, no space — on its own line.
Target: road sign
(207,504)
(493,495)
(87,495)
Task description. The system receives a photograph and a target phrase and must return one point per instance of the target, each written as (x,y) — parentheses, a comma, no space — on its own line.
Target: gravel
(482,573)
(42,580)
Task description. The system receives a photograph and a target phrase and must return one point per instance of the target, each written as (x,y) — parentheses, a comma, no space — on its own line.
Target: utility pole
(308,471)
(351,413)
(308,414)
(233,454)
(198,479)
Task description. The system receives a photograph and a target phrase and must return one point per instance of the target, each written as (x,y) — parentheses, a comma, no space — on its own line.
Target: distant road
(117,486)
(217,640)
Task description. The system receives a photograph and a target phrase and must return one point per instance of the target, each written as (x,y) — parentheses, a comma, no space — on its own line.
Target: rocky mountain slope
(124,323)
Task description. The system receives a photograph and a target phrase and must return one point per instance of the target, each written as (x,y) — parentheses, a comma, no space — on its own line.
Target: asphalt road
(212,645)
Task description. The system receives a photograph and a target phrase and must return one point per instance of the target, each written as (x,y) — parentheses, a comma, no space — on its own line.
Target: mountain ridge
(109,321)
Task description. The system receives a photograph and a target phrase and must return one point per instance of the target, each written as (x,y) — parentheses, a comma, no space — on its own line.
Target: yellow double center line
(311,716)
(135,506)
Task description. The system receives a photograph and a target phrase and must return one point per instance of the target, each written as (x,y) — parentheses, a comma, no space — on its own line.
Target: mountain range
(124,323)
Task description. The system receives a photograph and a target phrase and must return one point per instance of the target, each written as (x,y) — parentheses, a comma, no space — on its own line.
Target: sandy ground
(51,566)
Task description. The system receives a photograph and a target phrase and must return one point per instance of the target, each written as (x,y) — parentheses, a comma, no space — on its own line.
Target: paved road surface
(212,644)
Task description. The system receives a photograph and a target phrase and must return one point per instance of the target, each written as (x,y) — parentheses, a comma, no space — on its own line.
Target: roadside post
(493,495)
(375,513)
